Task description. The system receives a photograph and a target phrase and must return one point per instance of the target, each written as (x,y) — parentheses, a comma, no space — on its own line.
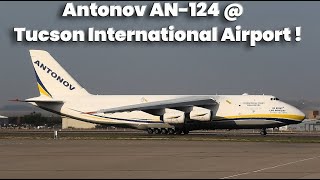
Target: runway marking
(263,169)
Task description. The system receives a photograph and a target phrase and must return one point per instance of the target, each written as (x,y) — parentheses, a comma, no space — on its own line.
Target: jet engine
(172,116)
(200,114)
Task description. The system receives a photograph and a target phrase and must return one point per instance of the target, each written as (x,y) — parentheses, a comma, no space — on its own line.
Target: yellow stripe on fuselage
(42,91)
(260,116)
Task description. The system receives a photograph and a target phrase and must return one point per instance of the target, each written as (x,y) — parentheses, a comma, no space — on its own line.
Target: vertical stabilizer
(52,79)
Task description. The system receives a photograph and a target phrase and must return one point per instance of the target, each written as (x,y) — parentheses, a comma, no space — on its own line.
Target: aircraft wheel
(170,131)
(263,132)
(150,131)
(157,131)
(164,131)
(185,131)
(178,131)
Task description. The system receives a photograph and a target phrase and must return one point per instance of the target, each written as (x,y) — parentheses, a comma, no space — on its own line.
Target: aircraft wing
(181,104)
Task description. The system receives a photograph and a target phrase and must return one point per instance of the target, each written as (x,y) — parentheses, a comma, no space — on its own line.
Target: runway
(38,159)
(214,135)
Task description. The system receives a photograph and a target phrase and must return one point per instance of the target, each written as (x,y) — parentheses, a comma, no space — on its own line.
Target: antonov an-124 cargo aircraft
(156,114)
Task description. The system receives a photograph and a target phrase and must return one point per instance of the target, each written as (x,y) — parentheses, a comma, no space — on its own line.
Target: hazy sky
(287,70)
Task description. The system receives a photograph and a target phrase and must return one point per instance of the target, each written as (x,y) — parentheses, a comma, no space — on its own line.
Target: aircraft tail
(53,80)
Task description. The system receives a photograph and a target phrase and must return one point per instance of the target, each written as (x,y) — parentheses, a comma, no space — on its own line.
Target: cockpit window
(274,99)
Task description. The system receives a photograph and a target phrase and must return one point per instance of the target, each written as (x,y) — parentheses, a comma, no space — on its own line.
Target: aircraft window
(271,99)
(277,99)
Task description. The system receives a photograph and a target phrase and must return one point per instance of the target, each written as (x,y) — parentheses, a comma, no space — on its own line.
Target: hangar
(4,120)
(73,123)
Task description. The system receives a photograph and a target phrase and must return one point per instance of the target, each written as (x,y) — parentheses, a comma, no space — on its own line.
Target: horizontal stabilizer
(39,99)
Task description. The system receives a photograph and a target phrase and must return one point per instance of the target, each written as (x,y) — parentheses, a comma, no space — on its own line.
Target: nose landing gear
(263,132)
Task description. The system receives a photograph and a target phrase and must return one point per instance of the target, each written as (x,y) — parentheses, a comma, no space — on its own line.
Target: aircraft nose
(300,115)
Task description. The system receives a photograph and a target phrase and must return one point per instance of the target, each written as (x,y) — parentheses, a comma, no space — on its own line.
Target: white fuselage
(62,94)
(232,111)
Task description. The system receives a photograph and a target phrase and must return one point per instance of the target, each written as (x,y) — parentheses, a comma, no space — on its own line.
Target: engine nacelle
(200,114)
(172,116)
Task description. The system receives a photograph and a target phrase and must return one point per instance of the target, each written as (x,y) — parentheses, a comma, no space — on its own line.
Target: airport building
(311,123)
(314,114)
(4,121)
(68,123)
(306,125)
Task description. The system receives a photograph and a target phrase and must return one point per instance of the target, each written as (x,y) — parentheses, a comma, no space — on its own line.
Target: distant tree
(35,119)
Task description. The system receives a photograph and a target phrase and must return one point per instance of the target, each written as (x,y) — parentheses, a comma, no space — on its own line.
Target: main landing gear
(150,131)
(171,131)
(167,131)
(263,132)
